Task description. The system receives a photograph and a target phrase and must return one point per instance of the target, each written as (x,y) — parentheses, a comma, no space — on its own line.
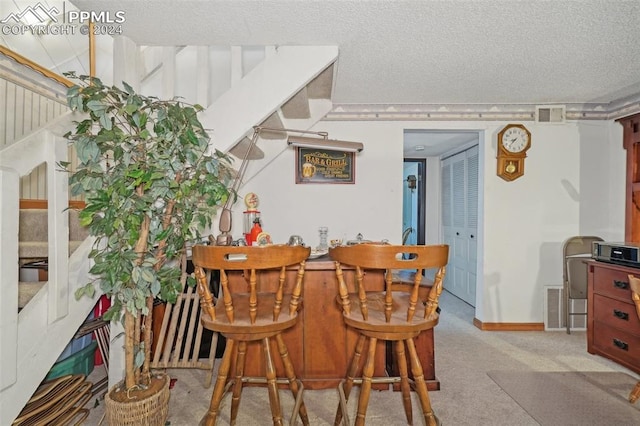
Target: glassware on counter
(324,231)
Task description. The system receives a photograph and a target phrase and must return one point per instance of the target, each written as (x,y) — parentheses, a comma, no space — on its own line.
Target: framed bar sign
(316,165)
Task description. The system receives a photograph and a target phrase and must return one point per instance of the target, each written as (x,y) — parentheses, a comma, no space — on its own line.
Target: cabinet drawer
(616,313)
(617,344)
(612,283)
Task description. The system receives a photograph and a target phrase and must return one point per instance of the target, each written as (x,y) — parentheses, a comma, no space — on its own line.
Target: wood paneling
(631,143)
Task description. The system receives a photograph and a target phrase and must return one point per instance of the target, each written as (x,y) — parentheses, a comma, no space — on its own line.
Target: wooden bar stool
(252,316)
(394,315)
(634,283)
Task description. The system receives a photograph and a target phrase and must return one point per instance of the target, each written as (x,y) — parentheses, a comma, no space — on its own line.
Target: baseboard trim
(508,326)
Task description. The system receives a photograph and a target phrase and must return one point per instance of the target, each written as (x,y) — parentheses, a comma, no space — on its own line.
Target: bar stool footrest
(374,380)
(280,381)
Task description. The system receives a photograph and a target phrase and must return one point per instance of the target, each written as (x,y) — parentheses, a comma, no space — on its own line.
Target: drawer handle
(622,345)
(621,284)
(621,315)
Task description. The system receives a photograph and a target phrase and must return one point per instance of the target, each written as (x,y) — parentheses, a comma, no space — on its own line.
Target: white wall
(573,185)
(433,228)
(371,206)
(526,221)
(601,199)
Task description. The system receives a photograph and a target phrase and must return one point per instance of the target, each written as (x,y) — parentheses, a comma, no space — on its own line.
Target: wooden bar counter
(320,345)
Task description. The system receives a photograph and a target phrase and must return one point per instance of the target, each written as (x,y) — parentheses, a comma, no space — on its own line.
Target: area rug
(571,398)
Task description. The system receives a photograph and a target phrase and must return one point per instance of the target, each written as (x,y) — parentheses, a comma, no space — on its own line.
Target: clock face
(515,139)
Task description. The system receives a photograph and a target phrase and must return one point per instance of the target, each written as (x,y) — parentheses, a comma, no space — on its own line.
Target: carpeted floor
(571,398)
(468,395)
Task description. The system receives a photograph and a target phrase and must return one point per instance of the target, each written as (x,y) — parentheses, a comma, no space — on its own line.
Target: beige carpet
(571,398)
(468,396)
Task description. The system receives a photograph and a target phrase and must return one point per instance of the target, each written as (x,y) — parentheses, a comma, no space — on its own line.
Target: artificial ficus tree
(151,185)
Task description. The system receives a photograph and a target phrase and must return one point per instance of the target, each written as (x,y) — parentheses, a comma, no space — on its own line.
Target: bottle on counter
(255,231)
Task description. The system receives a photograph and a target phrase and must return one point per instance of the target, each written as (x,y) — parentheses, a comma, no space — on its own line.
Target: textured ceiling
(414,60)
(424,52)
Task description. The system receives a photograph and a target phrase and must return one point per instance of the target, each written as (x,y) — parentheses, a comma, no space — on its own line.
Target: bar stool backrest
(250,260)
(390,258)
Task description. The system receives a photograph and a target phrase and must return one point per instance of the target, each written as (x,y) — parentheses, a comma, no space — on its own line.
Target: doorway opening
(450,199)
(413,201)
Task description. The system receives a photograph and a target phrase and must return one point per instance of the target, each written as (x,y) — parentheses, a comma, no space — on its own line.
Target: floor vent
(550,114)
(554,311)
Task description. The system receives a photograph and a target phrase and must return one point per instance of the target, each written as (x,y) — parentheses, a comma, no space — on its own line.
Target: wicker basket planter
(149,410)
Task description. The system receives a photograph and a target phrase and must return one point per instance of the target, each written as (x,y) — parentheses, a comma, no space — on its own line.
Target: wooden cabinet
(631,140)
(320,345)
(613,327)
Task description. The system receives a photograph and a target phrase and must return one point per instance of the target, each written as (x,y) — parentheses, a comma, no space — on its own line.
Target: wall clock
(513,142)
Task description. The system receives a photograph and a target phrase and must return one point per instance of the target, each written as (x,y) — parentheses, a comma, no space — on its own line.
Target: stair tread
(40,249)
(26,291)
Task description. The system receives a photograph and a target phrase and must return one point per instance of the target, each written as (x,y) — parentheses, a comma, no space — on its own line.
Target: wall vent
(551,114)
(554,311)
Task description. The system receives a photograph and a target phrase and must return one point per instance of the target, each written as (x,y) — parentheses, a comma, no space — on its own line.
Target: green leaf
(96,106)
(128,88)
(191,281)
(86,290)
(148,275)
(130,108)
(89,290)
(114,312)
(85,220)
(131,306)
(135,274)
(73,91)
(86,149)
(136,173)
(139,360)
(105,121)
(155,288)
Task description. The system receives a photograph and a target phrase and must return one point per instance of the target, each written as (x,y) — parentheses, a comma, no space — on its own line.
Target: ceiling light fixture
(419,148)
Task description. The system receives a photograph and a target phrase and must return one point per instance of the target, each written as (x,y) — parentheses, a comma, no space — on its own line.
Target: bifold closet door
(460,221)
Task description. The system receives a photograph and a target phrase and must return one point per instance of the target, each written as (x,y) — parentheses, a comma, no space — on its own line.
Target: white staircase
(32,339)
(290,87)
